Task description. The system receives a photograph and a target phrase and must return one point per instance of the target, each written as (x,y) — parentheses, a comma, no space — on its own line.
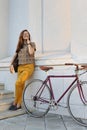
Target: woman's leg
(24,72)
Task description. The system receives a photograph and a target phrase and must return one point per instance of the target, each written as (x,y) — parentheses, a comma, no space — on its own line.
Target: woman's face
(25,35)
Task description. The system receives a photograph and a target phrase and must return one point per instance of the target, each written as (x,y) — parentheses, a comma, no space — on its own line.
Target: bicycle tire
(36,105)
(76,107)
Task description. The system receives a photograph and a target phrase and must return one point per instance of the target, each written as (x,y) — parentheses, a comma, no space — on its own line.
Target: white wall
(53,25)
(18,20)
(26,15)
(79,30)
(35,22)
(56,25)
(48,22)
(4,7)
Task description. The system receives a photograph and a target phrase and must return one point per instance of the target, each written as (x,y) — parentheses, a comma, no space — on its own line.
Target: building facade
(59,29)
(55,26)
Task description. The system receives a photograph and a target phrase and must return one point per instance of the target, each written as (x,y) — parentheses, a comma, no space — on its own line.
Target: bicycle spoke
(77,108)
(36,98)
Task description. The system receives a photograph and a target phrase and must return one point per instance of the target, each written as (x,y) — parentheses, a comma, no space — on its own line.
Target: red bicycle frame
(48,80)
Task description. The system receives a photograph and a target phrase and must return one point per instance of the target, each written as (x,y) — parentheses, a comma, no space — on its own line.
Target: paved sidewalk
(50,122)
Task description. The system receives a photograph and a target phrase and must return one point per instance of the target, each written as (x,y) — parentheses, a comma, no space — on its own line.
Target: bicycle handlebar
(78,66)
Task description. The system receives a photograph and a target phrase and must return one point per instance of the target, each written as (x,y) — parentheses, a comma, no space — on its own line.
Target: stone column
(4,7)
(79,30)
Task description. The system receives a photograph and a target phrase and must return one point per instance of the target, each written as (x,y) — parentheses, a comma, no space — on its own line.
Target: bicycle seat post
(47,73)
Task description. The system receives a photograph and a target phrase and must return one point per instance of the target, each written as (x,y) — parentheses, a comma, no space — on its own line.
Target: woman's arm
(31,47)
(11,65)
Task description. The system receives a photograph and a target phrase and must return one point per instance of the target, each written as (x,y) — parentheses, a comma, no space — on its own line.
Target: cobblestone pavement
(50,122)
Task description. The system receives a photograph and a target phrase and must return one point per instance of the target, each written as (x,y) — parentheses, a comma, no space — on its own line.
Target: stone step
(5,104)
(5,94)
(9,114)
(1,86)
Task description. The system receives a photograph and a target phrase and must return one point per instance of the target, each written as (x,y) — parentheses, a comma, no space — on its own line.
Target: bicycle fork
(81,92)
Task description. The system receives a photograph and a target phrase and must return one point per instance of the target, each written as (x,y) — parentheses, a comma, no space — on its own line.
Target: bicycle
(38,96)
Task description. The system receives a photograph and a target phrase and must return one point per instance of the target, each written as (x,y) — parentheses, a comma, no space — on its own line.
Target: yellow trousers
(24,72)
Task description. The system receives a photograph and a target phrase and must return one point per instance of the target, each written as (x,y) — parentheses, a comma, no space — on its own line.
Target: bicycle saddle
(45,68)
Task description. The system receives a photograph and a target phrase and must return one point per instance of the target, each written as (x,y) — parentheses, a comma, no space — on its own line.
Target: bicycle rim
(77,108)
(37,103)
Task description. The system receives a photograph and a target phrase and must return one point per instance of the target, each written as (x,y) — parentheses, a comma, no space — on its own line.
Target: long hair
(21,40)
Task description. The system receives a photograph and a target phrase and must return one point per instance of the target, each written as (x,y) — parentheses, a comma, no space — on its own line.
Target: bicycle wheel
(36,98)
(78,107)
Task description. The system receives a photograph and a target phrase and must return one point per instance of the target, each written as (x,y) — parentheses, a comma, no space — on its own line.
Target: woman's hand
(30,49)
(11,69)
(28,41)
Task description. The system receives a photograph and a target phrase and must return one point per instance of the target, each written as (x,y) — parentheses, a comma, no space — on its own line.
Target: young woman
(26,63)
